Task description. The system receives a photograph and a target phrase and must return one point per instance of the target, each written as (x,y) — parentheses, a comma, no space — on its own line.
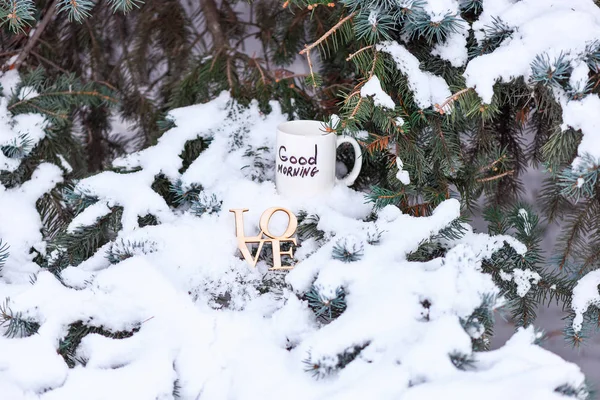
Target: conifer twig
(310,67)
(493,178)
(491,165)
(229,79)
(49,62)
(451,99)
(351,56)
(308,48)
(211,16)
(36,35)
(65,93)
(262,74)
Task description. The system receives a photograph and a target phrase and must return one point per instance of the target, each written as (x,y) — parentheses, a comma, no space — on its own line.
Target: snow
(92,214)
(373,17)
(585,294)
(20,223)
(506,373)
(437,9)
(525,217)
(380,98)
(427,88)
(9,81)
(402,175)
(551,27)
(579,77)
(454,49)
(583,114)
(65,164)
(544,26)
(524,279)
(13,127)
(254,345)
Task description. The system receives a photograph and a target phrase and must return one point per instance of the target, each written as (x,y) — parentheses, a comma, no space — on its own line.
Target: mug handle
(349,179)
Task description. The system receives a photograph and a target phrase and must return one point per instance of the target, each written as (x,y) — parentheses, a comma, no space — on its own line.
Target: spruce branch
(308,48)
(92,93)
(36,35)
(492,164)
(441,108)
(17,13)
(3,253)
(211,16)
(15,323)
(351,56)
(495,177)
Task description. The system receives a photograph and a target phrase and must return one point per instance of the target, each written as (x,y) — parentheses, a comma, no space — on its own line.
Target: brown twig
(351,56)
(380,143)
(43,110)
(49,62)
(308,48)
(211,16)
(36,35)
(493,178)
(290,77)
(356,108)
(72,93)
(491,165)
(262,74)
(372,71)
(310,67)
(451,99)
(229,78)
(107,84)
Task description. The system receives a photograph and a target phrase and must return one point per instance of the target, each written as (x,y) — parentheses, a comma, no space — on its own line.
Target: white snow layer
(255,347)
(20,223)
(13,129)
(402,175)
(540,27)
(428,89)
(380,98)
(551,27)
(585,294)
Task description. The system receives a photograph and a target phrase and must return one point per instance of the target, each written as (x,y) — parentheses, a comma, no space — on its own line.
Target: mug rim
(282,127)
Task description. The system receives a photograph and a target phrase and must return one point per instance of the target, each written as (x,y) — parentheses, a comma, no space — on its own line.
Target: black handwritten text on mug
(300,166)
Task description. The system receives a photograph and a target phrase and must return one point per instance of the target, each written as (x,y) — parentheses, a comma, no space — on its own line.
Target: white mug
(306,159)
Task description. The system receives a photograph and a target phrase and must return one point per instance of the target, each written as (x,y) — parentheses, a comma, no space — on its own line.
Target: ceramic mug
(306,159)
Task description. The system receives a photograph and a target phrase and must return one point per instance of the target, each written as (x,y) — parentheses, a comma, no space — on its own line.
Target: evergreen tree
(431,130)
(442,129)
(147,277)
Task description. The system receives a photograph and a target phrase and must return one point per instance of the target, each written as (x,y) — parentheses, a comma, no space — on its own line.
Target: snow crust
(254,345)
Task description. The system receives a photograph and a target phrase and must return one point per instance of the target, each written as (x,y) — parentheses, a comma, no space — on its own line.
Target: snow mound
(199,325)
